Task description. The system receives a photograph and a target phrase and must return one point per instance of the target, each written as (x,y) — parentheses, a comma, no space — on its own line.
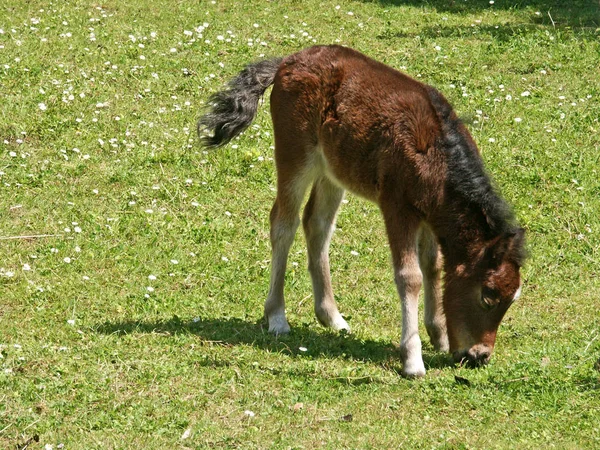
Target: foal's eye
(488,300)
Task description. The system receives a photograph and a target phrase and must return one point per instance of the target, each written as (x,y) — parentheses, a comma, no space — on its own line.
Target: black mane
(467,176)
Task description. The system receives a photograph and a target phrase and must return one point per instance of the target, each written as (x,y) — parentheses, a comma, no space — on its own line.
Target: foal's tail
(233,109)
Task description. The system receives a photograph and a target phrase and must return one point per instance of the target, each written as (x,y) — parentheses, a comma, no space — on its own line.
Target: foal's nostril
(474,357)
(484,358)
(478,357)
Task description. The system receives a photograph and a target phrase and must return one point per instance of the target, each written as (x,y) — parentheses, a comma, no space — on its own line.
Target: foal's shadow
(303,341)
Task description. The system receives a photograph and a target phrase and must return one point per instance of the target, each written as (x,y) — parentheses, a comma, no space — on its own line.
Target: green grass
(91,358)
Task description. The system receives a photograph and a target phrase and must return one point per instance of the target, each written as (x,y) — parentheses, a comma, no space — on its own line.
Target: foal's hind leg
(319,223)
(284,223)
(430,260)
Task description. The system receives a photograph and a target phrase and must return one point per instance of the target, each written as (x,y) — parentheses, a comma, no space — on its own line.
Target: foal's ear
(509,244)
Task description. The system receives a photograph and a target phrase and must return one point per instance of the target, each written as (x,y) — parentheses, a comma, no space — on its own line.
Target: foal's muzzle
(476,356)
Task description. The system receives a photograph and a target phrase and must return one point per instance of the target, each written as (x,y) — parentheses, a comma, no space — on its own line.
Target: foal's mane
(467,177)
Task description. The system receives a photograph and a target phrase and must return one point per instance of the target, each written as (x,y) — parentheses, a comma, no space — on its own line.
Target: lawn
(134,264)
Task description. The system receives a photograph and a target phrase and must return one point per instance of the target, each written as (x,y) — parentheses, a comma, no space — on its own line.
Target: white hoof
(332,319)
(413,369)
(278,324)
(412,359)
(442,345)
(340,324)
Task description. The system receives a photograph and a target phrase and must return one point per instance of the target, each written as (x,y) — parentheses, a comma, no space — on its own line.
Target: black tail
(233,109)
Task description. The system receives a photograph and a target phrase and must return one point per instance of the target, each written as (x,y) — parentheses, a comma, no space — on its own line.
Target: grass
(136,322)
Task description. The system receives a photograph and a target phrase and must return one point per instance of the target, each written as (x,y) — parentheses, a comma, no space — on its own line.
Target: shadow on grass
(579,18)
(303,341)
(553,13)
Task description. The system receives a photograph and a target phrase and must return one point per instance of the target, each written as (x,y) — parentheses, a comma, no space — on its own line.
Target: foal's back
(358,120)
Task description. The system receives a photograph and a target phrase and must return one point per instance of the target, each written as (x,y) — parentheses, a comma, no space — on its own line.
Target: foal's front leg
(402,231)
(431,261)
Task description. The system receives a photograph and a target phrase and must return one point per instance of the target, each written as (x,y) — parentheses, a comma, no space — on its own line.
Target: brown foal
(344,121)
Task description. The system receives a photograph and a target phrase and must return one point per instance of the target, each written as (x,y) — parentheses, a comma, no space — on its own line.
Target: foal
(344,121)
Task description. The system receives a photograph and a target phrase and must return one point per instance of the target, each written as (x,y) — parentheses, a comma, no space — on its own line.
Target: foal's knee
(409,280)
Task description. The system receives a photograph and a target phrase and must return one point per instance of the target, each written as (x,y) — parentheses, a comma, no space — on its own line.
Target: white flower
(42,106)
(354,253)
(174,261)
(249,413)
(26,267)
(150,289)
(303,349)
(67,260)
(152,277)
(518,119)
(71,322)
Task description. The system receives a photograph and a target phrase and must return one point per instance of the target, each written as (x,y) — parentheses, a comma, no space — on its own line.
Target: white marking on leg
(408,282)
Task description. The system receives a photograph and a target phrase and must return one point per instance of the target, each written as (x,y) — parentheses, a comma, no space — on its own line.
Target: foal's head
(477,297)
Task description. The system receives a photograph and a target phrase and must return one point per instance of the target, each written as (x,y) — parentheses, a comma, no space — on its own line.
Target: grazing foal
(344,121)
